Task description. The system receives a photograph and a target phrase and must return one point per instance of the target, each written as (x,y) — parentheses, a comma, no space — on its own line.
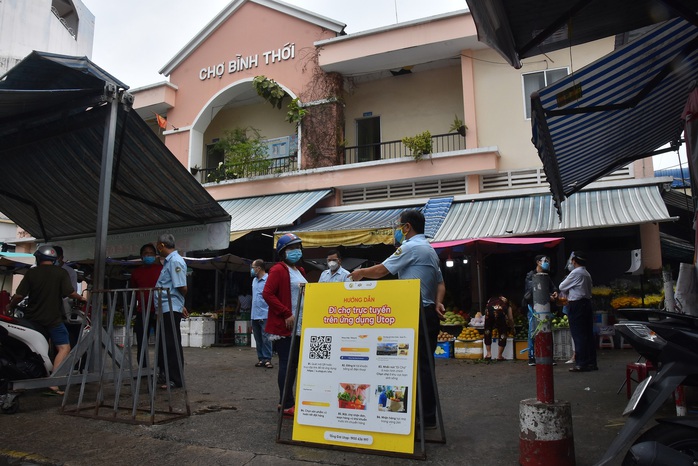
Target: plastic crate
(242,339)
(120,335)
(444,350)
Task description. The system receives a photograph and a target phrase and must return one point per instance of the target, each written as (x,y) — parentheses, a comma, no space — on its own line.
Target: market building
(341,175)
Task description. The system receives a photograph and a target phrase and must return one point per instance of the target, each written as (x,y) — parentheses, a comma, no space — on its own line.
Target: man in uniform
(415,258)
(173,277)
(335,272)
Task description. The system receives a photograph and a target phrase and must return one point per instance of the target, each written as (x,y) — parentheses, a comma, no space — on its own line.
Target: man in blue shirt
(173,277)
(415,258)
(260,311)
(335,272)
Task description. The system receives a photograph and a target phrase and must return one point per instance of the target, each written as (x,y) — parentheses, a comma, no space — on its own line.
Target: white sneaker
(570,361)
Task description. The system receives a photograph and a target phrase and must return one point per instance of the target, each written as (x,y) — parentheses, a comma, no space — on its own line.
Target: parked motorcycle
(24,354)
(671,345)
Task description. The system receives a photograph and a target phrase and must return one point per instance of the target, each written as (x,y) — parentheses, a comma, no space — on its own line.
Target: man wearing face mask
(577,287)
(281,293)
(174,278)
(335,272)
(542,266)
(260,312)
(145,276)
(415,258)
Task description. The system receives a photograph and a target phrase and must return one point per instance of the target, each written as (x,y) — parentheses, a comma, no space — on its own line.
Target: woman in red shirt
(145,276)
(282,292)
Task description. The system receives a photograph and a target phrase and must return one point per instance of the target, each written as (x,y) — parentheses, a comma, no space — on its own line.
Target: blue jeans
(532,324)
(260,338)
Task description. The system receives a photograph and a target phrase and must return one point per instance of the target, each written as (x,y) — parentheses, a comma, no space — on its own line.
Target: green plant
(457,126)
(419,144)
(269,90)
(295,112)
(244,155)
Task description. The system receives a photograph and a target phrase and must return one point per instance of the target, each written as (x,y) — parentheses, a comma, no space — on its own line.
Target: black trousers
(425,355)
(172,338)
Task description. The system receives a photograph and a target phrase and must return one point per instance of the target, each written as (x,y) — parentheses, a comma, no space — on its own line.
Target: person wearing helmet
(281,293)
(46,285)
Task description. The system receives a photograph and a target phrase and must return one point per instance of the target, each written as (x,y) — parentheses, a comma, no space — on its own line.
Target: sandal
(268,365)
(259,364)
(54,391)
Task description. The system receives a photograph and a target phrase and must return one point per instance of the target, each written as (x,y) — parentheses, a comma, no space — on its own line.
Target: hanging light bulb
(449,262)
(465,260)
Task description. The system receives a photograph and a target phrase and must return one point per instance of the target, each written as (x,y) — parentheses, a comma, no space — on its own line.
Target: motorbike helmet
(286,240)
(46,253)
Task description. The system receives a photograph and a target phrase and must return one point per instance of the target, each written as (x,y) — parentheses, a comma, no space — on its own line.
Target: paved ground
(233,419)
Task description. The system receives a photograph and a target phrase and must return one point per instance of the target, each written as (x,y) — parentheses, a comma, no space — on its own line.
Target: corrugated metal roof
(435,212)
(258,213)
(533,215)
(355,220)
(615,110)
(51,145)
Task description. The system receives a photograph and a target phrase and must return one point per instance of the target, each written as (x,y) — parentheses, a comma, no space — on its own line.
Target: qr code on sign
(320,347)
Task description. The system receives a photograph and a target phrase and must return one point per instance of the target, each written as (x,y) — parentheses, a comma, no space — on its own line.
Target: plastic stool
(625,345)
(606,341)
(642,369)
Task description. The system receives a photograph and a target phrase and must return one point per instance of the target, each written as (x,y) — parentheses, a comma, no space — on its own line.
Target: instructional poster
(357,369)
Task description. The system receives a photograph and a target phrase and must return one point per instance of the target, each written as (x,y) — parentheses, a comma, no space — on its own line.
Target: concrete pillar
(545,433)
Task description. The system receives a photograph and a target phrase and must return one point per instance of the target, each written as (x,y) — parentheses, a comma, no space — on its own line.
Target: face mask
(253,273)
(293,256)
(149,260)
(333,265)
(570,266)
(399,236)
(545,266)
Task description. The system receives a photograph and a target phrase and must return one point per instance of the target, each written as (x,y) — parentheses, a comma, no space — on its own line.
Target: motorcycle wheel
(683,439)
(14,407)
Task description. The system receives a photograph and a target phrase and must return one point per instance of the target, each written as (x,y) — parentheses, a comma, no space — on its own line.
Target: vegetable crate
(444,350)
(562,343)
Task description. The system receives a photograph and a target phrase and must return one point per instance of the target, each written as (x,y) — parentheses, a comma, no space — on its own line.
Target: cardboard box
(518,346)
(508,353)
(467,349)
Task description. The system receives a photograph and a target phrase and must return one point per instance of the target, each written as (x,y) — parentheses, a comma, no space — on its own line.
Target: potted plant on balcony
(457,126)
(419,144)
(245,155)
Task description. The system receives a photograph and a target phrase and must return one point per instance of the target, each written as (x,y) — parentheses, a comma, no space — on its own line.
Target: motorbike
(671,345)
(24,354)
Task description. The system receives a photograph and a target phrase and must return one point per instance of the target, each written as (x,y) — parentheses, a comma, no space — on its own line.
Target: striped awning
(535,215)
(619,108)
(355,228)
(366,227)
(273,211)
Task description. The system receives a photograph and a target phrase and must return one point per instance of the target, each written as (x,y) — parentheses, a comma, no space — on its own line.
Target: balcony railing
(396,149)
(247,170)
(355,154)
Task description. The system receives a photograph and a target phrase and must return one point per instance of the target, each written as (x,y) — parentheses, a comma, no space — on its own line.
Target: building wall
(27,25)
(499,99)
(268,120)
(407,104)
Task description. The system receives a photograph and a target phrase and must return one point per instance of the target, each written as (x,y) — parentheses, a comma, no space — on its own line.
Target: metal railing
(396,149)
(354,154)
(247,170)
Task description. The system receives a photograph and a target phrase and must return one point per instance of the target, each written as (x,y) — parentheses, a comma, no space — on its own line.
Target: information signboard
(357,372)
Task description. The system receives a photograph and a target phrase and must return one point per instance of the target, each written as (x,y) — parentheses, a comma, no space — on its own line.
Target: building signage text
(240,63)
